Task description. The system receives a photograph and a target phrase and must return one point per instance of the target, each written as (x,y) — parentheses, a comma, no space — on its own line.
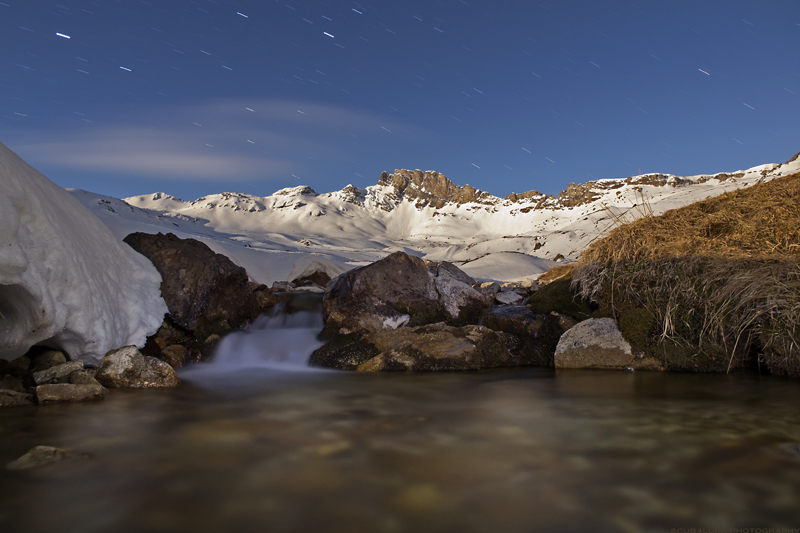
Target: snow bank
(65,281)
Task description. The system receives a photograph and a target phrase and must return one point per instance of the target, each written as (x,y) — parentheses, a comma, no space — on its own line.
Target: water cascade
(280,340)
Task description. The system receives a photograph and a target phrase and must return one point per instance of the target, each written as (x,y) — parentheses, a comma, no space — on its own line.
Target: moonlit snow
(65,280)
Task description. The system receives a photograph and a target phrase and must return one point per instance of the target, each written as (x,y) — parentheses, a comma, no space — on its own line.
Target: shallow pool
(511,450)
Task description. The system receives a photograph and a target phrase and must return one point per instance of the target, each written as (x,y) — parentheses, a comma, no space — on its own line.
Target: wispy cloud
(231,139)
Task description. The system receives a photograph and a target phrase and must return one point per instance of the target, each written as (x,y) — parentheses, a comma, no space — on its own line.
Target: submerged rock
(40,456)
(127,368)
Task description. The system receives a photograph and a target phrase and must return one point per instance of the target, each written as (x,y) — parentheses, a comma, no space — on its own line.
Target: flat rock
(508,298)
(438,347)
(56,372)
(69,392)
(127,368)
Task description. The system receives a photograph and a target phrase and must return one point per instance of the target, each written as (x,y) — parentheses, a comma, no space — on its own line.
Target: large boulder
(433,347)
(207,295)
(127,368)
(598,343)
(66,281)
(399,290)
(205,292)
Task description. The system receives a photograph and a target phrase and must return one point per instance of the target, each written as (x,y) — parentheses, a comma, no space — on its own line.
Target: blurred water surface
(511,450)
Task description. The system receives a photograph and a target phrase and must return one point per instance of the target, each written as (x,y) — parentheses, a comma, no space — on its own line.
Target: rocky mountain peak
(431,188)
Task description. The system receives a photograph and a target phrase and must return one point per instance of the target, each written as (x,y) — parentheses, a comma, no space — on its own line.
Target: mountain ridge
(420,212)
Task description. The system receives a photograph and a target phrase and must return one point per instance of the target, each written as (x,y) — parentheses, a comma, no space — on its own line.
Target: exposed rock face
(598,343)
(396,291)
(127,368)
(431,188)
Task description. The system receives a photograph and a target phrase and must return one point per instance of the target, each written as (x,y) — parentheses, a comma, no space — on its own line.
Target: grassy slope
(710,286)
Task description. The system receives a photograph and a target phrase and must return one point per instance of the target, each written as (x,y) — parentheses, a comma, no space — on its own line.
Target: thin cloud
(231,139)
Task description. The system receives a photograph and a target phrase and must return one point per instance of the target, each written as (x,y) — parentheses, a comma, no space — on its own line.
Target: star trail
(110,95)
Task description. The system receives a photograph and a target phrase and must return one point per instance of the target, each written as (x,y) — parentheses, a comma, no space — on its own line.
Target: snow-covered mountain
(279,237)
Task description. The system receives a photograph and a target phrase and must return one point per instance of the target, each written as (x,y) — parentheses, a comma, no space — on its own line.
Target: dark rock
(315,278)
(343,352)
(530,337)
(69,392)
(205,292)
(559,296)
(13,398)
(56,372)
(175,355)
(47,359)
(83,377)
(127,368)
(437,347)
(396,291)
(9,382)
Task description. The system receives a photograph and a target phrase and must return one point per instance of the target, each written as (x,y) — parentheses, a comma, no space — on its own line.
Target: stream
(257,441)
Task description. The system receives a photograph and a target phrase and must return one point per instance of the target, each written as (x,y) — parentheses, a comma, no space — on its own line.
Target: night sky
(192,97)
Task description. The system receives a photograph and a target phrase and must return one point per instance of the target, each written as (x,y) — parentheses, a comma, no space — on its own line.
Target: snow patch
(65,280)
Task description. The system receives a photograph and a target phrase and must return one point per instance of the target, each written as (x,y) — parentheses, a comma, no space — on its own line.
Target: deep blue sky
(193,97)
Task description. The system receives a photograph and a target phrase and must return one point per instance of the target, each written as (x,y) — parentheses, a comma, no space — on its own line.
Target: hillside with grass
(711,286)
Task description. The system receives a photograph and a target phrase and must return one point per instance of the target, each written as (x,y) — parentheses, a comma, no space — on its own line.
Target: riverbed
(508,450)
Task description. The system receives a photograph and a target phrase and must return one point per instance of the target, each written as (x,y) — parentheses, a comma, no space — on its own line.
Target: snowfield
(497,239)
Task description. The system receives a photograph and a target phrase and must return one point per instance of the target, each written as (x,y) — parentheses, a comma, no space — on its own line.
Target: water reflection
(524,450)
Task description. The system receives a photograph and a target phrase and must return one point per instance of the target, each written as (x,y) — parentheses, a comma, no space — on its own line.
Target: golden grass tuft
(720,278)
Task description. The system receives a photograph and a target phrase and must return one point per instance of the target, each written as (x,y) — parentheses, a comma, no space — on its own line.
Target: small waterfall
(282,339)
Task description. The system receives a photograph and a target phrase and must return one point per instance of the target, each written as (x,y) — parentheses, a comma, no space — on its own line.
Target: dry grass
(762,221)
(718,278)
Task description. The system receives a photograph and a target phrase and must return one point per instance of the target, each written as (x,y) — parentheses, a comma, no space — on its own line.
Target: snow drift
(65,280)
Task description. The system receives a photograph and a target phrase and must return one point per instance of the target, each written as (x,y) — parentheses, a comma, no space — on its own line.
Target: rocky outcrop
(434,347)
(127,368)
(206,293)
(598,343)
(431,188)
(399,290)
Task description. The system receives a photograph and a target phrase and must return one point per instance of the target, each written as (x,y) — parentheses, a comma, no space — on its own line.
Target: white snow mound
(66,281)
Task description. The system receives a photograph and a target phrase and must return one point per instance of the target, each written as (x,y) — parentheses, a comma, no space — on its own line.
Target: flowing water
(251,443)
